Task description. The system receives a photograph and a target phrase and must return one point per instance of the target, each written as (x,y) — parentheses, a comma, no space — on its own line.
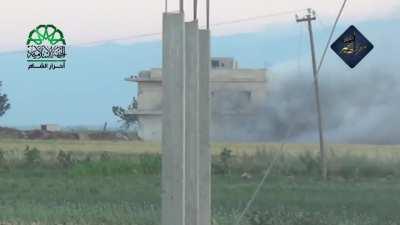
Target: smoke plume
(359,106)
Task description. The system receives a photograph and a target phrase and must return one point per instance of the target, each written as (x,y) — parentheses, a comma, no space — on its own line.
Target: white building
(236,95)
(50,127)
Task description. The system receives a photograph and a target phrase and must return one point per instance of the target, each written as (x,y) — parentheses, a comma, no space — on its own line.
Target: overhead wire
(265,176)
(321,21)
(132,37)
(272,164)
(153,34)
(330,36)
(257,17)
(278,153)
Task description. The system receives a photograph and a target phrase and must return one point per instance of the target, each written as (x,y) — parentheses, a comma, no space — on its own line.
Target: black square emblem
(352,46)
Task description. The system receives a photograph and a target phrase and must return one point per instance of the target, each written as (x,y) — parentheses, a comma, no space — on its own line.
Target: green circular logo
(43,33)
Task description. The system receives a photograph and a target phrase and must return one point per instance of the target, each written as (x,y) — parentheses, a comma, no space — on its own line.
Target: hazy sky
(94,20)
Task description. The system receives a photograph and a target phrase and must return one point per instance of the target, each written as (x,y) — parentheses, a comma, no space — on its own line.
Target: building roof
(219,75)
(145,112)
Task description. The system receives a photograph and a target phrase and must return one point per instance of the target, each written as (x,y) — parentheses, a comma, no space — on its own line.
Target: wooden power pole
(308,18)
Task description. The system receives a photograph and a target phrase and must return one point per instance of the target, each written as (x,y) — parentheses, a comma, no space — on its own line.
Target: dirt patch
(46,135)
(6,132)
(110,136)
(12,133)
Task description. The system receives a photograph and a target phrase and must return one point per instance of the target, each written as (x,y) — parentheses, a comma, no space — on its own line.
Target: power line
(330,36)
(253,197)
(274,160)
(257,17)
(144,35)
(264,178)
(131,37)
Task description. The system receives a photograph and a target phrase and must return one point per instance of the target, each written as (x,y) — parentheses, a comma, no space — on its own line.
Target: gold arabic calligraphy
(351,46)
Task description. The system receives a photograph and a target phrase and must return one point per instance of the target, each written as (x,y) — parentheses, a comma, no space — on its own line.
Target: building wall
(150,127)
(223,63)
(236,94)
(50,127)
(149,96)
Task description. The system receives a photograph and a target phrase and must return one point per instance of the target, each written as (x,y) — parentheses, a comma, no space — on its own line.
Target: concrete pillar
(192,123)
(173,120)
(204,128)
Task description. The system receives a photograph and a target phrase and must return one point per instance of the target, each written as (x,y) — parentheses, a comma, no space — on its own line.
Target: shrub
(65,159)
(223,165)
(105,156)
(283,216)
(260,218)
(87,159)
(2,158)
(150,163)
(32,156)
(350,167)
(310,162)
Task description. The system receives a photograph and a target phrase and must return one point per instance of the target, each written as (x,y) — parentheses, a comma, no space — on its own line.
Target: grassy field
(152,147)
(104,182)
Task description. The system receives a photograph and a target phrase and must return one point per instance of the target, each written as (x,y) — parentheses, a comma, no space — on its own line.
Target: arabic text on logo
(46,48)
(352,46)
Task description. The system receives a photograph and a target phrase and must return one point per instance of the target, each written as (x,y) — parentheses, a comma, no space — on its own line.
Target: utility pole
(181,6)
(308,18)
(208,14)
(194,10)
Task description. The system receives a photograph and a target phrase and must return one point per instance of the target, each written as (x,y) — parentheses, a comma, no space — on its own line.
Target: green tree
(125,117)
(4,105)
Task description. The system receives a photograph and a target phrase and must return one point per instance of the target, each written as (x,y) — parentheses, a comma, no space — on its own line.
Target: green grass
(124,188)
(55,196)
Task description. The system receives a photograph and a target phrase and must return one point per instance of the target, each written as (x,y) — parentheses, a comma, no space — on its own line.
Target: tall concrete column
(173,120)
(192,123)
(204,128)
